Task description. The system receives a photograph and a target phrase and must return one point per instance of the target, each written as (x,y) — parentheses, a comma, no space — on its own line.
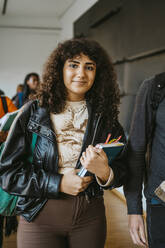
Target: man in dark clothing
(152,168)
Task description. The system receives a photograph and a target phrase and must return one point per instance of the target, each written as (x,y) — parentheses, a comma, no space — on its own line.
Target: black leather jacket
(39,181)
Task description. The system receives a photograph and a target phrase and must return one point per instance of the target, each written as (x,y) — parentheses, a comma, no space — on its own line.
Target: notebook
(111,150)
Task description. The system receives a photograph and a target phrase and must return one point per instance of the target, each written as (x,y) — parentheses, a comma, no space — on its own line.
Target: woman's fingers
(73,184)
(84,155)
(95,151)
(91,153)
(87,179)
(95,161)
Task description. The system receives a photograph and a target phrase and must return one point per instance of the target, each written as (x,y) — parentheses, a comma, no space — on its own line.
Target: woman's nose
(81,72)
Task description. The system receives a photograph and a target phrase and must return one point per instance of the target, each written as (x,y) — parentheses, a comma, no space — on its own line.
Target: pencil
(108,137)
(117,139)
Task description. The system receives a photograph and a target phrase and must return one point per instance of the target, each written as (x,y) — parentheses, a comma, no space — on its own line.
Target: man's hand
(72,184)
(137,230)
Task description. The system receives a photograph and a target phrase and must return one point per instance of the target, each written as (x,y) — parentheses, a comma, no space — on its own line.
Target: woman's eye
(73,65)
(90,68)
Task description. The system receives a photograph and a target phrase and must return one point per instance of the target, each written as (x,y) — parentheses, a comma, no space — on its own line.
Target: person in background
(2,93)
(31,83)
(75,108)
(146,163)
(7,223)
(6,105)
(18,98)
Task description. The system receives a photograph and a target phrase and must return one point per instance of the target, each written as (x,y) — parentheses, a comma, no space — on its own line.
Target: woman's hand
(95,160)
(72,184)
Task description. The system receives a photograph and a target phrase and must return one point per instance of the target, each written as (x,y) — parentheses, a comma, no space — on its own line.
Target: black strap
(158,90)
(157,95)
(4,103)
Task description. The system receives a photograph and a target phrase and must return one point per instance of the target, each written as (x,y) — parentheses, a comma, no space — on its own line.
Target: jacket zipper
(93,139)
(94,135)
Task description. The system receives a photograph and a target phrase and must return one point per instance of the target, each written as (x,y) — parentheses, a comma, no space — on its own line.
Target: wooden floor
(117,225)
(117,234)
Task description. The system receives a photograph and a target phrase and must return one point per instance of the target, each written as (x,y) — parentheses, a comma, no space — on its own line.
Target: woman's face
(33,82)
(78,75)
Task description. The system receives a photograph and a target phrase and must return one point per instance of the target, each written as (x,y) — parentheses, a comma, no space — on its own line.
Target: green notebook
(111,150)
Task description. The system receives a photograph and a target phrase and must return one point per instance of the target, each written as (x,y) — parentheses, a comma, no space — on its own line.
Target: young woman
(31,82)
(77,108)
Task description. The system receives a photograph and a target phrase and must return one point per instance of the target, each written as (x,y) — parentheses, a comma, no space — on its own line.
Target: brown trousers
(68,222)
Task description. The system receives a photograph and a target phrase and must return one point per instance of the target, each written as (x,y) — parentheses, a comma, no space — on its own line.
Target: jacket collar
(40,123)
(42,115)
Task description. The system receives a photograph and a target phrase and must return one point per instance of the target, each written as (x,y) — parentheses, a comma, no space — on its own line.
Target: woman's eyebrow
(74,61)
(77,62)
(90,63)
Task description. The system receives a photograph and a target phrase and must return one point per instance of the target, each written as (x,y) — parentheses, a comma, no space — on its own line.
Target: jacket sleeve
(17,175)
(136,150)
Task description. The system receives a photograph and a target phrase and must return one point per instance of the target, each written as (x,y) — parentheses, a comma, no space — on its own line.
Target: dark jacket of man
(139,169)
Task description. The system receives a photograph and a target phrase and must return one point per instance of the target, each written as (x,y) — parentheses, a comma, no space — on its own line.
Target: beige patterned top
(70,126)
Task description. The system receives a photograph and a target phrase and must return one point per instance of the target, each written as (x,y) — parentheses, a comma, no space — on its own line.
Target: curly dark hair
(103,95)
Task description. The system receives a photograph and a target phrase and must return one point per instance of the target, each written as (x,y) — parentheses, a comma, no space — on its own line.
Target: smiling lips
(79,82)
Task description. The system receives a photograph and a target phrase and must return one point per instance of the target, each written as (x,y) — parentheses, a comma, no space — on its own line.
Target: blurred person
(6,105)
(31,83)
(18,98)
(9,224)
(2,92)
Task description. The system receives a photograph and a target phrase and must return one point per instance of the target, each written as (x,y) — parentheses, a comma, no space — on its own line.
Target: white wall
(23,51)
(73,13)
(29,21)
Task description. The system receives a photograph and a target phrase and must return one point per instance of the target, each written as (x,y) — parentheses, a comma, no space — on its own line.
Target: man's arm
(136,150)
(137,146)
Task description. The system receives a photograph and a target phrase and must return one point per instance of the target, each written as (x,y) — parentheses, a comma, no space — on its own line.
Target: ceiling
(35,8)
